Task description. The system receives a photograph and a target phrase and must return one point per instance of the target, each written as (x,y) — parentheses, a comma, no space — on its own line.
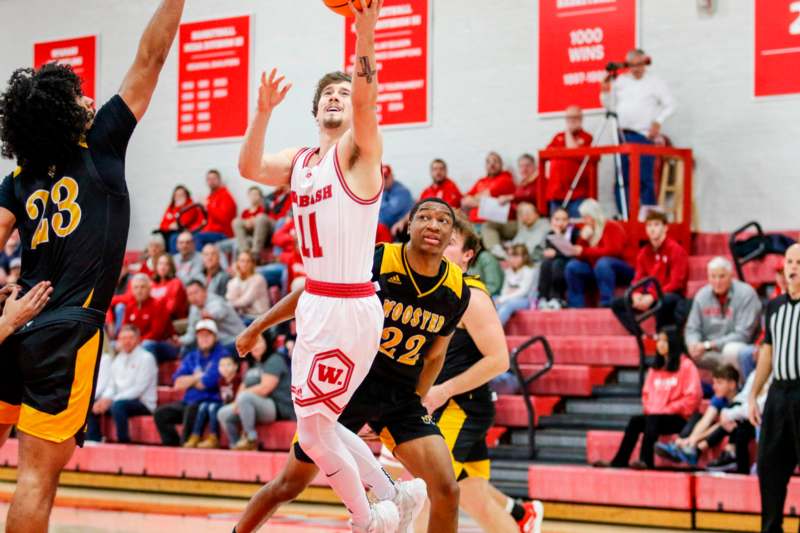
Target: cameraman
(642,102)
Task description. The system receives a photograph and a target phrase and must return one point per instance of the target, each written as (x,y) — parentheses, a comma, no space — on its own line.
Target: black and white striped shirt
(783,334)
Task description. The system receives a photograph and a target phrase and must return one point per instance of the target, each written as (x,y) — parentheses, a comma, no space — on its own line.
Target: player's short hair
(726,372)
(328,79)
(424,201)
(41,119)
(472,240)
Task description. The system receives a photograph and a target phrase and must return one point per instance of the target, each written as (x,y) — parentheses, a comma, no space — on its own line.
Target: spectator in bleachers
(169,289)
(277,272)
(247,292)
(14,269)
(173,221)
(494,233)
(552,280)
(671,394)
(562,171)
(221,209)
(491,273)
(598,257)
(198,375)
(253,228)
(642,102)
(396,201)
(666,260)
(496,183)
(188,263)
(265,396)
(11,250)
(703,431)
(206,305)
(228,384)
(151,317)
(442,187)
(724,317)
(532,230)
(155,249)
(129,388)
(214,274)
(278,204)
(518,282)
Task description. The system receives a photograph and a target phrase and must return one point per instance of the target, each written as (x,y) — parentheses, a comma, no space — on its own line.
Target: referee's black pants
(778,451)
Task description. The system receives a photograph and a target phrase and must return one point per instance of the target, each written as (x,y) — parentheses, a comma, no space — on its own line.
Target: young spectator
(704,432)
(552,280)
(442,187)
(599,257)
(278,203)
(491,273)
(151,318)
(253,229)
(247,292)
(155,249)
(671,394)
(188,263)
(205,305)
(494,232)
(666,260)
(396,201)
(207,411)
(518,281)
(130,389)
(198,375)
(174,221)
(265,396)
(724,317)
(221,210)
(496,183)
(532,230)
(169,289)
(214,275)
(562,171)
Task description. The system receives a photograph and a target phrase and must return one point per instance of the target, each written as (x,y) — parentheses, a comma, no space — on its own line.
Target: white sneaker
(555,305)
(538,510)
(410,499)
(384,518)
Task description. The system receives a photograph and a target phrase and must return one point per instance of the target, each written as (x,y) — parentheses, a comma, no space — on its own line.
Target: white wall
(484,95)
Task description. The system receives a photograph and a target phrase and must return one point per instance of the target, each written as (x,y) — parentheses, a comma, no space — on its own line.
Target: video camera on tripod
(614,67)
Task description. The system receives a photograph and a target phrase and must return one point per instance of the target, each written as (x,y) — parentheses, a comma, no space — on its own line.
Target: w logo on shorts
(329,374)
(329,377)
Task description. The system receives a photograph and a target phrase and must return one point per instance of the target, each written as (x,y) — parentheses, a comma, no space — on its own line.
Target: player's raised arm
(254,164)
(140,81)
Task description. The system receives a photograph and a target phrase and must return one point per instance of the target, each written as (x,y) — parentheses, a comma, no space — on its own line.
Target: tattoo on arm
(366,69)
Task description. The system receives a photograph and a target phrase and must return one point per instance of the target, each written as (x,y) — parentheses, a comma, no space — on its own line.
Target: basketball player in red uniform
(336,190)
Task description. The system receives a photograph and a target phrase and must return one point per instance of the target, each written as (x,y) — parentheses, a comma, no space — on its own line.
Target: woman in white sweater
(517,285)
(247,292)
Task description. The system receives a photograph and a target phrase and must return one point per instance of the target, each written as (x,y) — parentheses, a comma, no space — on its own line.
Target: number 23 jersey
(416,309)
(73,224)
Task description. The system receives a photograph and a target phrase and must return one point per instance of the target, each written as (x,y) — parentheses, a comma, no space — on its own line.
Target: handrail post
(525,383)
(641,317)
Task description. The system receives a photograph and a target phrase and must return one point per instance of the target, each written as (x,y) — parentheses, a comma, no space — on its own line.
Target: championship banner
(402,52)
(213,79)
(777,48)
(80,53)
(577,39)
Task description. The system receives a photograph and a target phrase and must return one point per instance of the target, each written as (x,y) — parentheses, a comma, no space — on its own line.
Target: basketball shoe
(410,499)
(384,518)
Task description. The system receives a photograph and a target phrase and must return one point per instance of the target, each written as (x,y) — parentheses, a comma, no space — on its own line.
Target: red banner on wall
(402,45)
(213,79)
(777,47)
(577,38)
(80,53)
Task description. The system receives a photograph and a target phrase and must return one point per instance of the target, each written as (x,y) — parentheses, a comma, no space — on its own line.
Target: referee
(779,445)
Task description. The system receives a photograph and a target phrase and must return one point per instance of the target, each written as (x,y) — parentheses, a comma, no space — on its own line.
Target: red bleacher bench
(510,409)
(567,380)
(580,350)
(738,493)
(611,486)
(583,322)
(165,371)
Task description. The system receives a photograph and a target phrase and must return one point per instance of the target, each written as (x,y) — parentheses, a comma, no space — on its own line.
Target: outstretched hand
(270,92)
(18,311)
(246,341)
(367,17)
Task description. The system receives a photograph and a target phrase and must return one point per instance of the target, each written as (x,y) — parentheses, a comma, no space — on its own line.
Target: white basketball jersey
(335,228)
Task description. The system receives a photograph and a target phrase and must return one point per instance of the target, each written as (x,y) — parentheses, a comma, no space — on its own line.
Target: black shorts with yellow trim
(392,411)
(48,372)
(464,422)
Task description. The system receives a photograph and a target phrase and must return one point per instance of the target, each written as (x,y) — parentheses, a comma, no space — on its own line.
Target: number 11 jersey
(335,228)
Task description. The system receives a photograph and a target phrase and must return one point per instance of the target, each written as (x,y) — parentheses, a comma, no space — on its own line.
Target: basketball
(341,7)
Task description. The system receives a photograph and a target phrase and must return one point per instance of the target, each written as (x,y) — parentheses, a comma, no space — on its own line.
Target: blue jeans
(162,350)
(207,412)
(506,383)
(276,274)
(607,273)
(746,362)
(506,309)
(572,206)
(121,411)
(119,317)
(201,238)
(647,193)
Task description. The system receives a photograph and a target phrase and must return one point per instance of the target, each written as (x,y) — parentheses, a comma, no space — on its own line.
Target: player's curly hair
(41,121)
(328,79)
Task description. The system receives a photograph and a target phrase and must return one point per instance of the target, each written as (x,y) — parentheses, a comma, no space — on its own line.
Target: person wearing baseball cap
(198,375)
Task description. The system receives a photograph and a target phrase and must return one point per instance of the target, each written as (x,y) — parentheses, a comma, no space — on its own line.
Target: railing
(759,250)
(525,383)
(638,318)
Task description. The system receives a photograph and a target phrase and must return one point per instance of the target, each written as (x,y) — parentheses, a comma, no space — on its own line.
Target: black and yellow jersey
(417,309)
(73,221)
(462,352)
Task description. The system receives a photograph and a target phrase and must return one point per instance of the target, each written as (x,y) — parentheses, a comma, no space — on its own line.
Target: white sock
(319,439)
(372,473)
(509,505)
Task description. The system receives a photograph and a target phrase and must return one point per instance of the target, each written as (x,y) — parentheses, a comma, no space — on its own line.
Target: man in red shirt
(253,228)
(442,187)
(666,260)
(562,171)
(497,182)
(221,208)
(151,317)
